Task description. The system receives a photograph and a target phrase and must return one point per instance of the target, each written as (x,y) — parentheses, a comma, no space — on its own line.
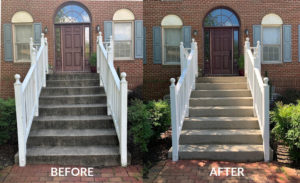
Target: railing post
(111,44)
(123,122)
(35,75)
(266,127)
(182,57)
(194,63)
(47,60)
(257,62)
(108,83)
(43,60)
(246,48)
(20,121)
(174,121)
(196,58)
(99,56)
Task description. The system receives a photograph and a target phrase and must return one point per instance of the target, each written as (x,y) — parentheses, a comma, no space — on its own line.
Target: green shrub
(8,122)
(93,60)
(241,62)
(287,127)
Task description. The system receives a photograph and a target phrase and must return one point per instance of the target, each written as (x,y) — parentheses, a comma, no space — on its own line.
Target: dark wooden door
(72,41)
(221,51)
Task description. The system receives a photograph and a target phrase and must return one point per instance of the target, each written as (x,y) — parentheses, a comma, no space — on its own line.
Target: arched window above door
(221,18)
(72,14)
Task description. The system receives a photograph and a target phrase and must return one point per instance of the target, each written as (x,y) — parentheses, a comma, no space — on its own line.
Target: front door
(221,51)
(72,43)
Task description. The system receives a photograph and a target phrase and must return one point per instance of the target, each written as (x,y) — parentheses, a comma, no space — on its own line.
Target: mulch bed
(7,153)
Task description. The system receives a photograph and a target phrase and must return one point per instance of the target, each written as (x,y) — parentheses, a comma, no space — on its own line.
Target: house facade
(71,28)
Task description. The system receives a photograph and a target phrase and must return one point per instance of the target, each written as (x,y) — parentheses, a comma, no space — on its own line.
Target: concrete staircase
(72,127)
(221,125)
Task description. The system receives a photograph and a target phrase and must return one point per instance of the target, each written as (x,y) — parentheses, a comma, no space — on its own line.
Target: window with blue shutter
(8,44)
(187,37)
(139,39)
(157,48)
(256,34)
(287,43)
(107,30)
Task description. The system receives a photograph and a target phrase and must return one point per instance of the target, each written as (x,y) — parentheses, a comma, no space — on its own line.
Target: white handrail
(27,94)
(181,92)
(116,92)
(260,92)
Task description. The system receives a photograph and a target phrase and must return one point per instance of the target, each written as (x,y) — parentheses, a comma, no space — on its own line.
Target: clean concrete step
(72,76)
(220,123)
(221,93)
(51,91)
(73,110)
(229,79)
(221,111)
(73,99)
(216,136)
(240,153)
(221,101)
(76,155)
(73,83)
(72,122)
(72,137)
(220,86)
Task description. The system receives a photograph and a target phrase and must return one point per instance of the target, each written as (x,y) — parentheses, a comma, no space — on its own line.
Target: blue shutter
(144,52)
(287,43)
(139,39)
(107,30)
(299,43)
(8,44)
(186,35)
(37,29)
(256,34)
(157,57)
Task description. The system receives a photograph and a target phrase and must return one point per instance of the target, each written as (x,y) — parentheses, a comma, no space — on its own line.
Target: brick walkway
(41,174)
(197,171)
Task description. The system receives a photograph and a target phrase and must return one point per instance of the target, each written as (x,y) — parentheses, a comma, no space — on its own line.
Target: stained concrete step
(75,155)
(72,76)
(72,122)
(73,110)
(73,137)
(73,83)
(73,99)
(221,111)
(240,153)
(221,93)
(221,101)
(220,123)
(51,91)
(216,136)
(221,86)
(228,79)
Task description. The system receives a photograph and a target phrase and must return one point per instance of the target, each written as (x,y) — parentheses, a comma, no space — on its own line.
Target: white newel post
(194,63)
(35,75)
(111,44)
(266,127)
(196,58)
(246,48)
(174,121)
(123,123)
(20,121)
(100,56)
(108,83)
(44,60)
(182,57)
(258,57)
(46,51)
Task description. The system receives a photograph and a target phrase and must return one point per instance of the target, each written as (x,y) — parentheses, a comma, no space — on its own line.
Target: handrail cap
(123,75)
(172,80)
(266,80)
(17,77)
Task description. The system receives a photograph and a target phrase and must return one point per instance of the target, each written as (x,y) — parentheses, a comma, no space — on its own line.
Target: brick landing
(41,174)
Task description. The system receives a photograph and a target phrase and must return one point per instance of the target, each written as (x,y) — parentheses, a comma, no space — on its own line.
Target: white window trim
(132,40)
(163,45)
(14,42)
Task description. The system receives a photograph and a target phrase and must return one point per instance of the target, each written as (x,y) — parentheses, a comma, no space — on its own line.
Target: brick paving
(41,174)
(197,171)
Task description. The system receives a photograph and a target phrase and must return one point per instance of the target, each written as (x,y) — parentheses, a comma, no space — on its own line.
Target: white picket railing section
(27,94)
(116,91)
(260,92)
(181,92)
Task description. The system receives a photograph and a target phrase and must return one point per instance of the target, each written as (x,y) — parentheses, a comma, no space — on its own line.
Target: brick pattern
(193,12)
(100,11)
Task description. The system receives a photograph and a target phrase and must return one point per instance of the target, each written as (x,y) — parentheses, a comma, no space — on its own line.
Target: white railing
(116,92)
(260,92)
(27,94)
(181,92)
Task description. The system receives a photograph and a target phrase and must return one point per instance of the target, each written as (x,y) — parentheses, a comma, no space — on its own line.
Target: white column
(266,125)
(123,115)
(175,127)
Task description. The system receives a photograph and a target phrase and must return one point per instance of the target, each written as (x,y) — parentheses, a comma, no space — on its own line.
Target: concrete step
(73,110)
(73,99)
(73,83)
(228,79)
(239,153)
(221,101)
(73,137)
(220,86)
(72,122)
(72,76)
(216,136)
(221,111)
(221,93)
(51,91)
(76,155)
(220,123)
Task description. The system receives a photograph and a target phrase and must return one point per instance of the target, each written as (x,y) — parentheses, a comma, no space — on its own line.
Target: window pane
(57,42)
(172,43)
(271,35)
(122,49)
(72,14)
(236,44)
(87,42)
(271,53)
(207,45)
(122,31)
(23,33)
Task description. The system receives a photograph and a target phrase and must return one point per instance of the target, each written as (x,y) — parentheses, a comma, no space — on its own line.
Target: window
(123,34)
(72,14)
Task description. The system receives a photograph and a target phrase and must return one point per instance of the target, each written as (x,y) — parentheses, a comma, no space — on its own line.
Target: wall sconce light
(246,32)
(98,28)
(46,30)
(195,32)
